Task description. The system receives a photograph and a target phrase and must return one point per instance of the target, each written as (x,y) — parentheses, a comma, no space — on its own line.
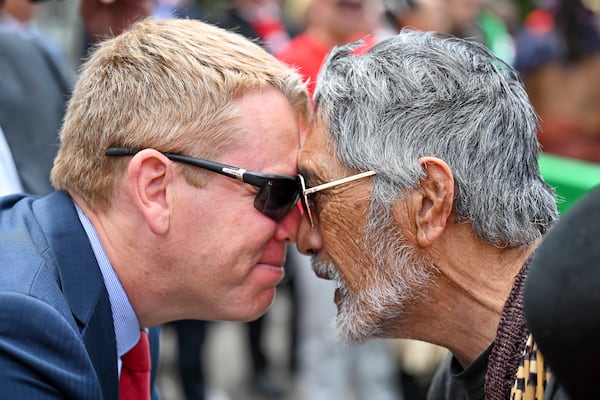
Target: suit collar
(82,283)
(78,270)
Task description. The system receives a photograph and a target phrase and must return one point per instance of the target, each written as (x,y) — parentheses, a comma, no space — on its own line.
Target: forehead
(266,133)
(316,159)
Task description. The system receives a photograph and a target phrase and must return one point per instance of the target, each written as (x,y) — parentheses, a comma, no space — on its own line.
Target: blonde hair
(165,84)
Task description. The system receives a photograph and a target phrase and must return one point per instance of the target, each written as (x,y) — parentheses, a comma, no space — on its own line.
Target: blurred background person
(486,21)
(107,18)
(9,179)
(19,16)
(330,369)
(190,336)
(263,20)
(558,56)
(37,79)
(178,9)
(328,23)
(34,87)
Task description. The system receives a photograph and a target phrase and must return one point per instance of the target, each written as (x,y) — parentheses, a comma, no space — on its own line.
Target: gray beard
(396,281)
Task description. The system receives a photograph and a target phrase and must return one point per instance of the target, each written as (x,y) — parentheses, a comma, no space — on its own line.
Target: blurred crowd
(554,45)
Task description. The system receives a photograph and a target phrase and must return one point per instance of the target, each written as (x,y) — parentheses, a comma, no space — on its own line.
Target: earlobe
(148,177)
(434,200)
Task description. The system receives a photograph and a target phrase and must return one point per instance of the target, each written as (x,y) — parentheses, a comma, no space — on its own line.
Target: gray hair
(426,94)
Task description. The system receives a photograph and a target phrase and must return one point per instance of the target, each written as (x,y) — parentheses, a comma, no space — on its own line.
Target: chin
(262,303)
(352,334)
(247,309)
(354,323)
(383,305)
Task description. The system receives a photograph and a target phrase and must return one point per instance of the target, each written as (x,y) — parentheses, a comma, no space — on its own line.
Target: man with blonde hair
(176,192)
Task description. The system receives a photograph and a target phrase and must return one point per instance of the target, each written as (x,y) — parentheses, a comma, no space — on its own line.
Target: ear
(433,201)
(148,176)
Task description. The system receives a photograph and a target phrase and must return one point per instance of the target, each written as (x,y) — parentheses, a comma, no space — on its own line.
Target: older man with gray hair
(424,202)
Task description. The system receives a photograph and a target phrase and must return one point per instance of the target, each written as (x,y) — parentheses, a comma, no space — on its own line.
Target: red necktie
(134,383)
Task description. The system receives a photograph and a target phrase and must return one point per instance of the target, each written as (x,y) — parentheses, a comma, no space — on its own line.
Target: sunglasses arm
(236,173)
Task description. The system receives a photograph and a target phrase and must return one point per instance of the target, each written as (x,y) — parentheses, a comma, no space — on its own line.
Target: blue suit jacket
(57,339)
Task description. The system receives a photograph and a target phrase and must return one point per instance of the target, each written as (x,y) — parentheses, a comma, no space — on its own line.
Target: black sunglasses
(276,196)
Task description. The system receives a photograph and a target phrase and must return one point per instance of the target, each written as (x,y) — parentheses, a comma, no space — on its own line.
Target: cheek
(342,225)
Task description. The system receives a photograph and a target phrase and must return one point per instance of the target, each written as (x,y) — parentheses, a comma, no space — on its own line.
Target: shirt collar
(126,324)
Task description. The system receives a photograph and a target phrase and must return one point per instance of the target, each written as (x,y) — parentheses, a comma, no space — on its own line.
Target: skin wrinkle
(342,217)
(379,293)
(366,299)
(391,290)
(419,116)
(433,253)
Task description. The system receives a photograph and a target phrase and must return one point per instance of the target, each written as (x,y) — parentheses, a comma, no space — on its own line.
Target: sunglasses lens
(277,198)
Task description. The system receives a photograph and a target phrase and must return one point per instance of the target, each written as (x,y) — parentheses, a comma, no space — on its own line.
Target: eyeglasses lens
(277,198)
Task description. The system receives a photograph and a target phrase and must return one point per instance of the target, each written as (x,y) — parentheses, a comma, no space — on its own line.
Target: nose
(287,229)
(309,240)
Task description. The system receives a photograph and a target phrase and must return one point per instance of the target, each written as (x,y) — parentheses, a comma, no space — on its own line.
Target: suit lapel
(99,338)
(82,285)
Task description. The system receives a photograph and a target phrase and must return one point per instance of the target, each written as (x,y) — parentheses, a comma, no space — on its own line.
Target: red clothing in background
(307,54)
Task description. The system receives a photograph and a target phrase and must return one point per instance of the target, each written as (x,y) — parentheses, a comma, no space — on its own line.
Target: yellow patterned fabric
(532,375)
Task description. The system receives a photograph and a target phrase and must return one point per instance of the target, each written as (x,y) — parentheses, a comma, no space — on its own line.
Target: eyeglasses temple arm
(328,185)
(224,169)
(121,151)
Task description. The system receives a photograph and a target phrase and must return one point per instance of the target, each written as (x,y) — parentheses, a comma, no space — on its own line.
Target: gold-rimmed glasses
(307,203)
